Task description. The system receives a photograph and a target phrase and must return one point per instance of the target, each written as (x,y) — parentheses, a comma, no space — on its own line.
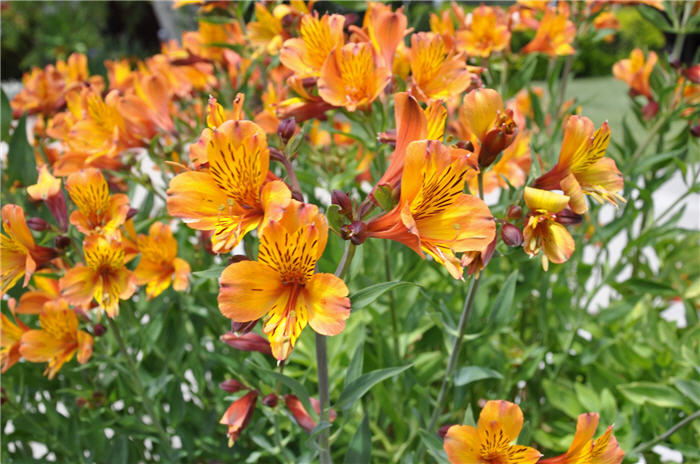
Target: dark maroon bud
(442,431)
(81,402)
(676,64)
(248,342)
(287,20)
(286,129)
(388,137)
(514,212)
(511,235)
(309,81)
(356,232)
(298,196)
(36,223)
(340,198)
(131,213)
(242,328)
(695,130)
(238,259)
(465,145)
(270,400)
(57,206)
(567,217)
(232,386)
(61,242)
(99,330)
(693,73)
(498,139)
(277,155)
(650,110)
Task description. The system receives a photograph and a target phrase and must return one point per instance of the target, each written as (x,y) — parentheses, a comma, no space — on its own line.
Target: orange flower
(437,71)
(635,71)
(491,440)
(10,336)
(542,231)
(98,211)
(606,20)
(512,168)
(582,167)
(352,76)
(32,302)
(554,35)
(104,278)
(604,450)
(433,215)
(267,33)
(159,265)
(485,123)
(19,255)
(238,415)
(282,283)
(487,33)
(231,197)
(384,29)
(58,340)
(48,189)
(306,55)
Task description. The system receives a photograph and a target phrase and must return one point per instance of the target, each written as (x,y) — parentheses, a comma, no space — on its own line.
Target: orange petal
(84,346)
(479,110)
(558,243)
(182,274)
(577,199)
(576,134)
(77,285)
(194,197)
(462,445)
(501,415)
(248,290)
(327,303)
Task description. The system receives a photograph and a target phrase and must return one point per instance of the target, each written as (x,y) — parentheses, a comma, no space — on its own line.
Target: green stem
(568,64)
(140,391)
(650,135)
(392,302)
(666,434)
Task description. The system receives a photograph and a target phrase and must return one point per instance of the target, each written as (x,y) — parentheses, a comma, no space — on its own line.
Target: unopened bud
(248,342)
(61,242)
(650,110)
(99,330)
(514,212)
(567,217)
(270,400)
(36,223)
(465,145)
(232,386)
(442,431)
(238,259)
(388,137)
(340,198)
(131,213)
(356,232)
(242,328)
(498,138)
(81,402)
(287,20)
(511,235)
(286,129)
(695,130)
(693,73)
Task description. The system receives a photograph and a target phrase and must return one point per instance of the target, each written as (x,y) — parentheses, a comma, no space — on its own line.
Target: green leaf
(211,273)
(335,219)
(360,446)
(368,295)
(503,303)
(20,157)
(689,388)
(298,389)
(384,197)
(355,367)
(646,286)
(434,445)
(5,116)
(561,396)
(358,387)
(469,374)
(652,393)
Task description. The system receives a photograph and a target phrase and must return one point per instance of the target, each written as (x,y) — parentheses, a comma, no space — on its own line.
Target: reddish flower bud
(695,130)
(514,212)
(511,235)
(61,242)
(693,73)
(131,213)
(270,400)
(241,328)
(81,402)
(442,431)
(567,217)
(232,386)
(237,259)
(286,129)
(247,342)
(356,232)
(36,223)
(99,330)
(238,415)
(650,110)
(340,198)
(57,207)
(498,139)
(301,416)
(388,137)
(465,145)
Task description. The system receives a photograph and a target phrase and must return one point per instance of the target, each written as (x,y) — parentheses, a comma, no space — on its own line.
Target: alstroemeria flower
(282,282)
(238,415)
(352,76)
(384,29)
(266,32)
(103,278)
(554,35)
(487,33)
(582,167)
(635,71)
(319,36)
(438,72)
(604,450)
(46,290)
(48,189)
(231,197)
(491,441)
(542,232)
(10,336)
(58,340)
(159,265)
(301,415)
(19,255)
(98,211)
(433,215)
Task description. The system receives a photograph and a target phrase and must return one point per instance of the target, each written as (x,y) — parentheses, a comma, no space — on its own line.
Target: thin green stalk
(644,446)
(140,391)
(650,135)
(568,64)
(322,367)
(392,302)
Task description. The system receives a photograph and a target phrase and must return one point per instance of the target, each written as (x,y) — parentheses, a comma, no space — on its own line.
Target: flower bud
(498,139)
(695,130)
(242,328)
(514,212)
(99,330)
(131,213)
(61,242)
(356,232)
(270,400)
(340,198)
(650,110)
(286,129)
(232,386)
(237,259)
(388,137)
(693,73)
(465,145)
(442,431)
(247,342)
(36,223)
(511,235)
(81,402)
(566,217)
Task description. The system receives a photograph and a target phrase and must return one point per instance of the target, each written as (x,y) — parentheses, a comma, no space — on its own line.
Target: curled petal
(328,304)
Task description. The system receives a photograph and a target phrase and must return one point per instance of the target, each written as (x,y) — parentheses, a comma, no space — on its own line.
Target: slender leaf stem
(392,302)
(644,446)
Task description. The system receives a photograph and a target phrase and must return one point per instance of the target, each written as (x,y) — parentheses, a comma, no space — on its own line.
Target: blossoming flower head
(487,33)
(542,232)
(282,286)
(384,29)
(103,277)
(232,196)
(159,264)
(554,35)
(353,76)
(10,336)
(306,55)
(584,450)
(491,440)
(98,211)
(635,71)
(48,189)
(582,167)
(433,215)
(58,340)
(238,415)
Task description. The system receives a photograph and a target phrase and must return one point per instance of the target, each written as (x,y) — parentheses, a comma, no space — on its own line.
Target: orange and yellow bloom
(282,285)
(635,71)
(554,35)
(604,450)
(487,33)
(98,211)
(319,36)
(159,265)
(542,232)
(10,337)
(491,441)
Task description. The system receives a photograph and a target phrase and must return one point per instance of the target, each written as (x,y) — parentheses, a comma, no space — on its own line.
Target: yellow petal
(537,199)
(327,303)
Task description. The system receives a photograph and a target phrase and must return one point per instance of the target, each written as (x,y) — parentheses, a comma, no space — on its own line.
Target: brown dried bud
(356,232)
(242,328)
(99,330)
(131,213)
(566,217)
(286,129)
(61,242)
(340,198)
(36,223)
(232,386)
(514,212)
(511,235)
(270,400)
